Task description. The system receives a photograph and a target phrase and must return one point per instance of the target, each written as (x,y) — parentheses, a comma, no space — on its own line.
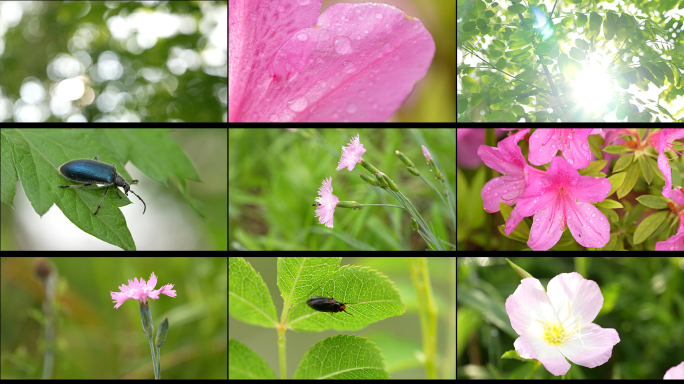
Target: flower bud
(146,317)
(162,331)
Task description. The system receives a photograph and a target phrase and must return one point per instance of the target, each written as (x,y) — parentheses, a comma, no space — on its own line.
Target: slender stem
(154,360)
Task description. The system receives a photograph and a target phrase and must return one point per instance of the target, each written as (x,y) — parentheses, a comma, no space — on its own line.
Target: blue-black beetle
(94,172)
(324,304)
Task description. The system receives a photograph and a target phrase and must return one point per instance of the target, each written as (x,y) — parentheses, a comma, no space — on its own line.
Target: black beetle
(324,304)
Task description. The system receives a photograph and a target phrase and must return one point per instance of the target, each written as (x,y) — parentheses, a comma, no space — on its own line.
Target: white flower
(557,324)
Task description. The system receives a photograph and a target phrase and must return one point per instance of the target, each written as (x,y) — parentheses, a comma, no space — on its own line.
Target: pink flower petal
(359,62)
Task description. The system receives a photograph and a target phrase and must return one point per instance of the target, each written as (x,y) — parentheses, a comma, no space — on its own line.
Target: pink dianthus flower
(140,290)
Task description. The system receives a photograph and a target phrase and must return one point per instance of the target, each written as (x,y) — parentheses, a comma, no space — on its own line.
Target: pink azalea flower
(354,62)
(326,211)
(662,141)
(560,196)
(675,373)
(558,324)
(545,143)
(676,242)
(141,291)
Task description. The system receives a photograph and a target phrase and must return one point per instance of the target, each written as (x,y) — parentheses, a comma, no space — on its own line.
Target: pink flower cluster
(559,196)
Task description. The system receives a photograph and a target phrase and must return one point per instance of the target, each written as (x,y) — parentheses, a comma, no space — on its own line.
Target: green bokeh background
(643,302)
(96,341)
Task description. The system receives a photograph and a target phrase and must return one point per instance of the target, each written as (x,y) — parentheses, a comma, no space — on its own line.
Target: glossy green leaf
(576,54)
(581,19)
(489,14)
(581,44)
(481,24)
(516,8)
(470,84)
(469,26)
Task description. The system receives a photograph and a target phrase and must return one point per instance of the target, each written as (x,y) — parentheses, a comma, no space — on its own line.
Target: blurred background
(643,300)
(103,61)
(274,176)
(95,341)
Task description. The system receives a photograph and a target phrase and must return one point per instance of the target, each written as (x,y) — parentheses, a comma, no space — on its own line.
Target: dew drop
(342,45)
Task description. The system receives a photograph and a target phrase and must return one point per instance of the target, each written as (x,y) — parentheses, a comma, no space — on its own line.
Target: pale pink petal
(595,347)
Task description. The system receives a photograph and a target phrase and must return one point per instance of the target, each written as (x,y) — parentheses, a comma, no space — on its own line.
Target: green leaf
(494,115)
(577,54)
(622,111)
(666,112)
(610,25)
(566,22)
(581,44)
(518,110)
(481,24)
(516,8)
(581,19)
(498,44)
(666,71)
(648,226)
(555,51)
(479,4)
(646,74)
(653,202)
(489,13)
(510,117)
(573,1)
(509,95)
(461,105)
(519,44)
(633,173)
(475,99)
(496,53)
(622,81)
(646,170)
(470,84)
(469,26)
(543,48)
(488,80)
(501,105)
(657,73)
(595,21)
(501,64)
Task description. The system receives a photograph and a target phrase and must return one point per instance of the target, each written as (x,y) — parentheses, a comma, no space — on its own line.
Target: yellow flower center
(555,333)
